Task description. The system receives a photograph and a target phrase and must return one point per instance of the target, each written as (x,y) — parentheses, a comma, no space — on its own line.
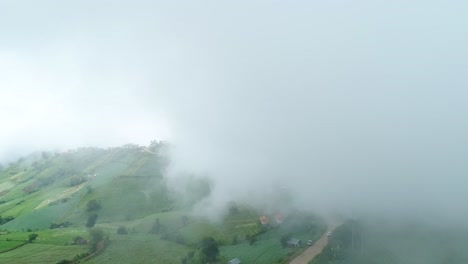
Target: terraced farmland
(40,253)
(140,249)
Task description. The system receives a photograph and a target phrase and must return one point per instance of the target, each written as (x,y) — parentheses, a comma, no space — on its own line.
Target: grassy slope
(132,192)
(40,253)
(58,170)
(8,245)
(49,247)
(263,251)
(141,248)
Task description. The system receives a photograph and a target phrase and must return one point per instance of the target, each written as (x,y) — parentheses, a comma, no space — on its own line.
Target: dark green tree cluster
(97,239)
(209,250)
(93,205)
(32,237)
(4,220)
(91,220)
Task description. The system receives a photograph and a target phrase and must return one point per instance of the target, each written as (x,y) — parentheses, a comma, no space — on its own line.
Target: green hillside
(93,205)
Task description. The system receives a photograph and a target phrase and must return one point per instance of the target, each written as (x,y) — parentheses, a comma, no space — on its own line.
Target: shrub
(32,237)
(77,180)
(78,240)
(156,227)
(65,261)
(122,230)
(96,237)
(93,205)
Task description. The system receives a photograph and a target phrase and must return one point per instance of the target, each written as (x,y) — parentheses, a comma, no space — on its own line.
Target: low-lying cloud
(359,108)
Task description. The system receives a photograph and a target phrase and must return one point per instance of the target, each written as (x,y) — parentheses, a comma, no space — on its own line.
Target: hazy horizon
(356,106)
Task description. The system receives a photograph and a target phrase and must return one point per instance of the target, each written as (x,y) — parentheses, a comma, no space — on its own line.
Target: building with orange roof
(264,220)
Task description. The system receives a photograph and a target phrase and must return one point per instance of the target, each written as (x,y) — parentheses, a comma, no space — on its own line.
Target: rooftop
(234,261)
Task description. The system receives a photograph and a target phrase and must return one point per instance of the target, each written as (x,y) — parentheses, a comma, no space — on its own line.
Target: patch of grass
(265,251)
(140,249)
(40,253)
(6,245)
(59,236)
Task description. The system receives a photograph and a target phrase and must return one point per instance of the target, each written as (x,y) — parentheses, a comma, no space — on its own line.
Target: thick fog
(358,106)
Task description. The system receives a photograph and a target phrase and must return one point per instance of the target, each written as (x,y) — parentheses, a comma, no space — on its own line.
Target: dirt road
(316,248)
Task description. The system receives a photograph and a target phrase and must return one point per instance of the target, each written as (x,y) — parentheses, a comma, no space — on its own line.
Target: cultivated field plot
(65,194)
(40,253)
(140,249)
(262,252)
(5,186)
(7,245)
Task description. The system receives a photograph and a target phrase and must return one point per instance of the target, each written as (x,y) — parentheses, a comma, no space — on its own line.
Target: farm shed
(293,242)
(234,261)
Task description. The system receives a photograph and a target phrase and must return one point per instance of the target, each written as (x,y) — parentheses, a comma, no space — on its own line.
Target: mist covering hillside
(314,109)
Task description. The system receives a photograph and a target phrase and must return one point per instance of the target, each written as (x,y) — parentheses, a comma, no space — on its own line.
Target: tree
(156,228)
(96,237)
(91,220)
(209,249)
(32,237)
(93,205)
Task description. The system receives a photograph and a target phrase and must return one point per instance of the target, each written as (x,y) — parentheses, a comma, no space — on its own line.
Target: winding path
(317,247)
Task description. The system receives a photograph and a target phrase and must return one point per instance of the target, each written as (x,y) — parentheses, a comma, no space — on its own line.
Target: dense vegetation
(114,205)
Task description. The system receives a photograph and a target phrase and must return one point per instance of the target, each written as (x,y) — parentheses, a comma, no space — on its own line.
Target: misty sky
(352,102)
